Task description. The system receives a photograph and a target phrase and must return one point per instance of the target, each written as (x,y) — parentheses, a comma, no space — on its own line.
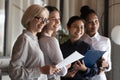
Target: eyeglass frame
(41,19)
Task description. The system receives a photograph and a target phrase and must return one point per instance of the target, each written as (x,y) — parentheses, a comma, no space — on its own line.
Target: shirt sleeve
(90,72)
(17,68)
(108,55)
(55,52)
(52,50)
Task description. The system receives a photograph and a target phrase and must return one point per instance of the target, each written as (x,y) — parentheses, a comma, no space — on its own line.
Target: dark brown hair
(85,11)
(73,19)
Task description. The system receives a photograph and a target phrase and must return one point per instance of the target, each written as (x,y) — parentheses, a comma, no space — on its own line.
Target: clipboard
(92,56)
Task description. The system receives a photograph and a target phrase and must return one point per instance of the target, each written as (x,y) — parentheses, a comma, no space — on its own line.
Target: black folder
(91,57)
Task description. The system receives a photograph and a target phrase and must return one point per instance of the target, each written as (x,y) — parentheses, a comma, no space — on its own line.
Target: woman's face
(92,24)
(54,21)
(76,30)
(41,22)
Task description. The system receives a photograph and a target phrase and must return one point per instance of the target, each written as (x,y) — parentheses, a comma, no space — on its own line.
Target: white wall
(14,28)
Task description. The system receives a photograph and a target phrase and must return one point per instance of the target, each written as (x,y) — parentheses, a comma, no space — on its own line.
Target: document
(91,57)
(70,59)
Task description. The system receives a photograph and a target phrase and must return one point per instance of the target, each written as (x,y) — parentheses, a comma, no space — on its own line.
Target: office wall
(71,7)
(114,19)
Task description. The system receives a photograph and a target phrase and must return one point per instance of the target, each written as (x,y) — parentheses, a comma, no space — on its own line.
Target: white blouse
(27,58)
(102,43)
(52,53)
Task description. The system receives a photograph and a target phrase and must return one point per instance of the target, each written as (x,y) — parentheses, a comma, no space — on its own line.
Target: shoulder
(22,41)
(65,44)
(48,40)
(85,45)
(84,37)
(103,38)
(82,42)
(22,37)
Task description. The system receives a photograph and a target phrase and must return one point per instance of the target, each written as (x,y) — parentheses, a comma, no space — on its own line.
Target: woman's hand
(105,64)
(68,66)
(49,69)
(102,65)
(79,66)
(75,68)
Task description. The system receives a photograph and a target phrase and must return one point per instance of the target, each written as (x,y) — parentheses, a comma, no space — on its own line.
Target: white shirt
(27,58)
(102,43)
(52,53)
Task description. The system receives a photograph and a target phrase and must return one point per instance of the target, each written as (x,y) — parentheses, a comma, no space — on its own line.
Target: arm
(52,52)
(80,68)
(106,60)
(17,68)
(109,56)
(56,56)
(76,66)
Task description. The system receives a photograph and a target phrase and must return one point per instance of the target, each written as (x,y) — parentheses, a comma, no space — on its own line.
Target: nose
(57,21)
(93,23)
(79,29)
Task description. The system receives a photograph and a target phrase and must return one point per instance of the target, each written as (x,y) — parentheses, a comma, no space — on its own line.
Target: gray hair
(31,12)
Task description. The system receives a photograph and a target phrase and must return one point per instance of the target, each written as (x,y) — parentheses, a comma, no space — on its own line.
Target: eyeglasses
(44,20)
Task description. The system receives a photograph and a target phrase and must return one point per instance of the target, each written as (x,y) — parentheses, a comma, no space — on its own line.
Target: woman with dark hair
(50,45)
(97,41)
(78,70)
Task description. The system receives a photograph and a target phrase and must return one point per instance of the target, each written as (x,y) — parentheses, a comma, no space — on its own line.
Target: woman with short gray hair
(27,62)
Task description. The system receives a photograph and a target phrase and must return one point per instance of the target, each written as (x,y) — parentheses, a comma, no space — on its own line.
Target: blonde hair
(31,12)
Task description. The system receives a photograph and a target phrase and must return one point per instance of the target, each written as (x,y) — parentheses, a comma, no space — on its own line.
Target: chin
(55,30)
(40,30)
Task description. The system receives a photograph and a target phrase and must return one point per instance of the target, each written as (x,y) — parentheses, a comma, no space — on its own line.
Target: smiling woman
(68,8)
(12,27)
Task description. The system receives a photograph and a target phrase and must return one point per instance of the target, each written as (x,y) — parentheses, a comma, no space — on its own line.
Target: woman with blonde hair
(27,61)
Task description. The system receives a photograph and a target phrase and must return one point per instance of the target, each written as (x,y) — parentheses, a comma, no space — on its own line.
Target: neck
(73,39)
(91,34)
(32,31)
(48,32)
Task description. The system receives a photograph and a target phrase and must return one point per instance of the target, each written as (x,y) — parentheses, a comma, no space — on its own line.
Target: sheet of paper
(70,59)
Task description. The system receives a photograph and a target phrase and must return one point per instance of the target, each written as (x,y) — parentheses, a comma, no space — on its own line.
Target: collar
(95,37)
(30,34)
(76,42)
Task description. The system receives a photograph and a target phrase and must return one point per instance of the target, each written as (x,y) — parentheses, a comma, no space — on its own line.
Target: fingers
(105,64)
(79,65)
(49,69)
(68,66)
(80,62)
(53,69)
